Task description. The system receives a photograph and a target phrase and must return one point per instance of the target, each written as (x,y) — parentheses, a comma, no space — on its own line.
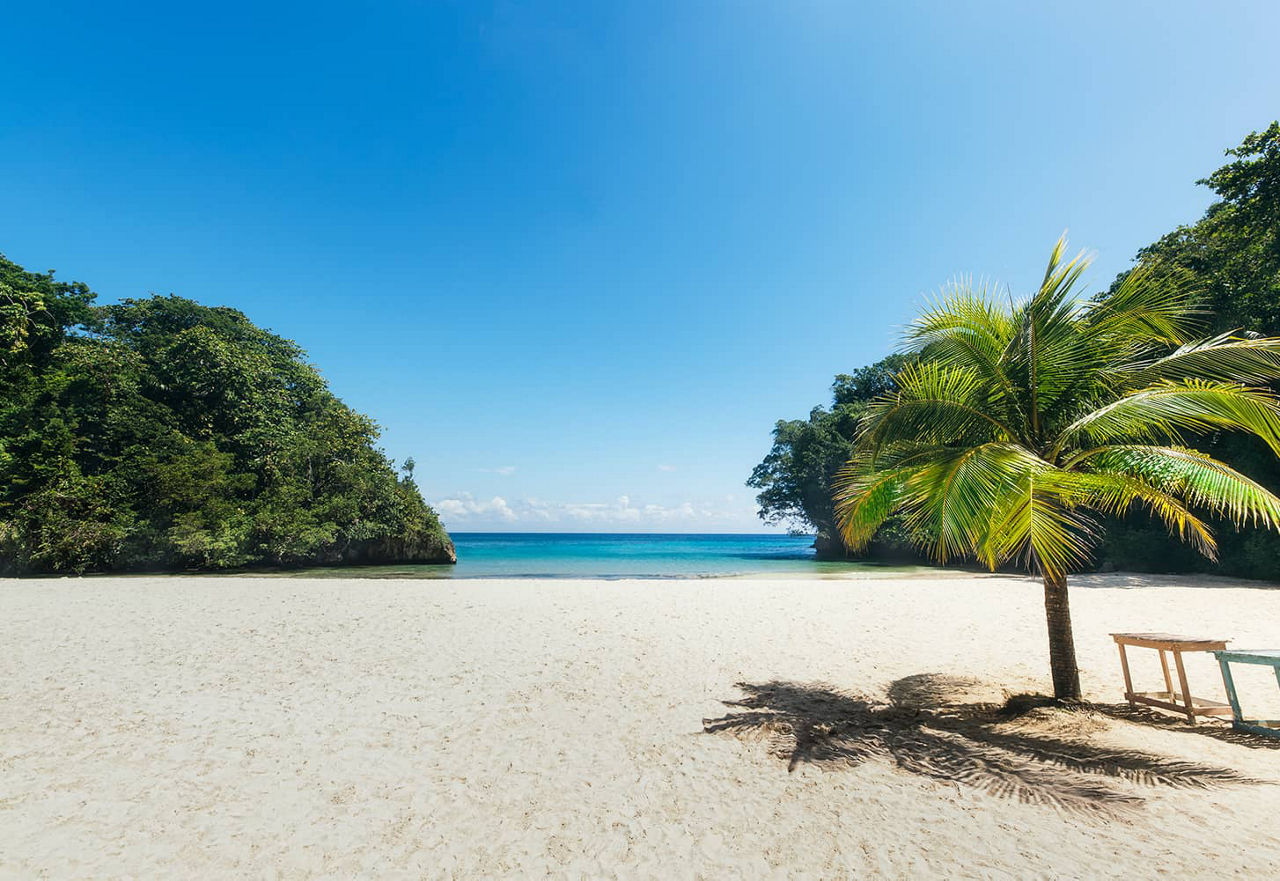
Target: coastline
(306,728)
(845,571)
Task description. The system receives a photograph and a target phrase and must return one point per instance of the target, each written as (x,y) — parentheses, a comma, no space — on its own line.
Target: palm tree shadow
(923,731)
(1224,733)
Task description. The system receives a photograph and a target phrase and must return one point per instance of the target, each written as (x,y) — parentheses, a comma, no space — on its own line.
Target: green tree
(795,479)
(1232,257)
(1233,252)
(160,434)
(1023,424)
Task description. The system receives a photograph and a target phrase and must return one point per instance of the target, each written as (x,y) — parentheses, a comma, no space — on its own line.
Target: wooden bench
(1267,658)
(1180,701)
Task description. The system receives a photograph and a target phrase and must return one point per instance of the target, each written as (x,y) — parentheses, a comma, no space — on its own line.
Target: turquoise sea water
(596,555)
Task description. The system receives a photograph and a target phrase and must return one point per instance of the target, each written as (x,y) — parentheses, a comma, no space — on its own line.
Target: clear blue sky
(577,258)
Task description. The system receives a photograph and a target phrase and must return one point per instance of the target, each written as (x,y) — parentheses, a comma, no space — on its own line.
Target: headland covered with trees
(1230,258)
(161,434)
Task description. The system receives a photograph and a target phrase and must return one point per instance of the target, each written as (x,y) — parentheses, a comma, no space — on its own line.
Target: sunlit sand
(286,728)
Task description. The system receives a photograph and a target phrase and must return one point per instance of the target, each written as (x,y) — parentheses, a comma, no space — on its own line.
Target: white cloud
(666,468)
(464,510)
(464,506)
(505,470)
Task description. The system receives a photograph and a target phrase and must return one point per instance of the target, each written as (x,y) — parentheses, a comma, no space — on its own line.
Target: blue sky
(577,258)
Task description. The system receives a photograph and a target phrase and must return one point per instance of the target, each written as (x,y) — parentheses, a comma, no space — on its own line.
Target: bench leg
(1186,689)
(1164,664)
(1128,684)
(1229,684)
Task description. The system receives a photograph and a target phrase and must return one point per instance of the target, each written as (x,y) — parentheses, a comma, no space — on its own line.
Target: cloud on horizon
(465,506)
(463,509)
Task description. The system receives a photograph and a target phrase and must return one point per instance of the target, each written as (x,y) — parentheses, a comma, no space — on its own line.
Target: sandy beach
(285,728)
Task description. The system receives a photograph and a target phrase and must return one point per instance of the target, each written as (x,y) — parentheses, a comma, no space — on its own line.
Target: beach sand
(183,727)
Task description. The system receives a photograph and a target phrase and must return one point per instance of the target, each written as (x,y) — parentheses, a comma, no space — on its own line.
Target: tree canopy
(158,433)
(1233,253)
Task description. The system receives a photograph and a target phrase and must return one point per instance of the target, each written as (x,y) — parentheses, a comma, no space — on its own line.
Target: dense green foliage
(1233,252)
(1232,257)
(796,476)
(1024,423)
(162,434)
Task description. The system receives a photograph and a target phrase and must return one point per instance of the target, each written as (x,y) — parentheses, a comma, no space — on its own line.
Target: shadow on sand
(1169,722)
(925,727)
(1144,580)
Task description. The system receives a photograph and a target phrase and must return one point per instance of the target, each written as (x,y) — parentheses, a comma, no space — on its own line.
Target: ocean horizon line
(457,532)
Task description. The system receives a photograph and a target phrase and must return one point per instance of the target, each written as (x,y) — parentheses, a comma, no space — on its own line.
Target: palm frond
(1040,527)
(964,322)
(867,491)
(951,503)
(1150,306)
(1199,479)
(1060,278)
(1048,357)
(1115,493)
(934,403)
(865,500)
(1169,411)
(966,328)
(1223,358)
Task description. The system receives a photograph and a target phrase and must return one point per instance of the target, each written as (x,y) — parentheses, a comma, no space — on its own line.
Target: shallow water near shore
(629,555)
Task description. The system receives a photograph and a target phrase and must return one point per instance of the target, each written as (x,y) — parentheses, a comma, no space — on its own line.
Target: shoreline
(872,572)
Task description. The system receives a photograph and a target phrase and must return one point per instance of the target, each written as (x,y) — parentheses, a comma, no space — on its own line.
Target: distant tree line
(1231,256)
(160,434)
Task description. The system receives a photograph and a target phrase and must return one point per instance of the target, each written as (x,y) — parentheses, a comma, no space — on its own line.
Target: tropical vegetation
(1229,260)
(1021,425)
(158,434)
(796,477)
(1232,258)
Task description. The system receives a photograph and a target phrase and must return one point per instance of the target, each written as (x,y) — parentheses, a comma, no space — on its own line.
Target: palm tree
(1021,425)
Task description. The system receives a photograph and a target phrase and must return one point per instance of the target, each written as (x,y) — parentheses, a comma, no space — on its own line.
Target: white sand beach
(178,727)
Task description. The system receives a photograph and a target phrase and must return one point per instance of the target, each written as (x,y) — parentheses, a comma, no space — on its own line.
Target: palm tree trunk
(1062,646)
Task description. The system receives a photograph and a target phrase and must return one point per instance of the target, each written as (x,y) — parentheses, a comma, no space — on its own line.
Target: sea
(614,555)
